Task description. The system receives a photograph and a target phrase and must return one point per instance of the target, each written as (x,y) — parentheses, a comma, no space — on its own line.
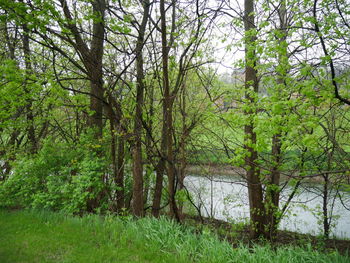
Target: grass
(40,236)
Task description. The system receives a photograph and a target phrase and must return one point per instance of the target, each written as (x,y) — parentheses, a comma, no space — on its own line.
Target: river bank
(33,236)
(237,234)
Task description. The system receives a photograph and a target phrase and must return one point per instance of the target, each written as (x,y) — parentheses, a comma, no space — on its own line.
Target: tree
(138,201)
(257,212)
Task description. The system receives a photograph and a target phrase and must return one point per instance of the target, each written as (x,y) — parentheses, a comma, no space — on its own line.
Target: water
(225,198)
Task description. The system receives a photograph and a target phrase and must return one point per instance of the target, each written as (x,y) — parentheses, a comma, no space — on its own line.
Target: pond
(226,198)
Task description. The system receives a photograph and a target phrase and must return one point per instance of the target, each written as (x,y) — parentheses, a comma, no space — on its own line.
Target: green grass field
(39,236)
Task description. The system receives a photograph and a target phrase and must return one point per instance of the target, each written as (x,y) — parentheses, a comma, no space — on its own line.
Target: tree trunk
(272,189)
(94,62)
(29,70)
(149,145)
(167,116)
(117,163)
(326,219)
(160,168)
(182,146)
(92,58)
(119,179)
(95,119)
(138,201)
(257,213)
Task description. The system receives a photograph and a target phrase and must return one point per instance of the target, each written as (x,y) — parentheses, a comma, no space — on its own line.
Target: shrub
(60,176)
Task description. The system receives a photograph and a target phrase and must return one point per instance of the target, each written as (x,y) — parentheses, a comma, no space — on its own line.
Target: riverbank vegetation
(41,236)
(104,104)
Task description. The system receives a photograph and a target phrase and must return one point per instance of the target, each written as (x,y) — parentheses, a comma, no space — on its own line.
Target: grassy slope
(28,236)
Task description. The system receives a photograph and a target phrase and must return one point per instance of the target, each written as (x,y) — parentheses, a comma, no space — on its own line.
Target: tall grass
(39,236)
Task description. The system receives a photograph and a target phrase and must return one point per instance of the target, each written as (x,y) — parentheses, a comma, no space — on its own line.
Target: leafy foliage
(58,177)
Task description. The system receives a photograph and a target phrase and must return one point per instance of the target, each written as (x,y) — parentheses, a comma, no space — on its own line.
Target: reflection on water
(227,199)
